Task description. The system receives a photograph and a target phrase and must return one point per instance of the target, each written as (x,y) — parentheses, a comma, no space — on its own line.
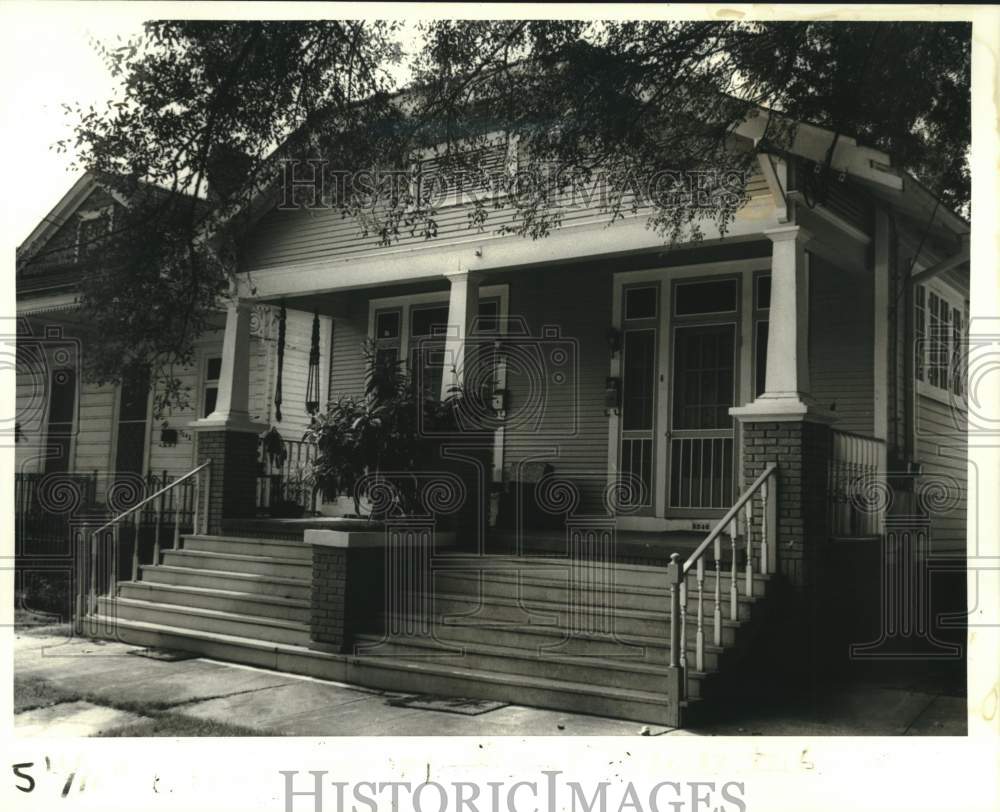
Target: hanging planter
(281,363)
(312,382)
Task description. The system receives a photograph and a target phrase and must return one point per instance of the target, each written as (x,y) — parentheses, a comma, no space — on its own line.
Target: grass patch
(31,693)
(175,724)
(34,692)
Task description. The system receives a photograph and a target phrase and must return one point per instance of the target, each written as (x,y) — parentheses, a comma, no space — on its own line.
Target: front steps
(505,628)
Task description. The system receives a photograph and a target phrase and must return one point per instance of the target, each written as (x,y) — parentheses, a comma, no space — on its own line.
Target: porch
(659,476)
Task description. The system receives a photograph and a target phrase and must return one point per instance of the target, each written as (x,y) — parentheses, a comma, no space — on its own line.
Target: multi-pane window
(940,324)
(428,328)
(417,334)
(387,336)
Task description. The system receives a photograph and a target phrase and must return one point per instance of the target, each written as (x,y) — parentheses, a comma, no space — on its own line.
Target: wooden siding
(943,454)
(347,368)
(293,237)
(571,421)
(841,342)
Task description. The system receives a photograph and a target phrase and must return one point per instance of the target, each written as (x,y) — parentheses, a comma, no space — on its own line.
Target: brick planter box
(351,571)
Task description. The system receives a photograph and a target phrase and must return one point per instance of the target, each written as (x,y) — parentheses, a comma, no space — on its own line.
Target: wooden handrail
(731,514)
(150,498)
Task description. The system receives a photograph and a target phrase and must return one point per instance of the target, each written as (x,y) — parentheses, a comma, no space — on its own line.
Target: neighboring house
(110,433)
(796,375)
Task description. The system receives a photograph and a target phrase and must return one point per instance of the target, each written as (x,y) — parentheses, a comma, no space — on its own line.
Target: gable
(55,247)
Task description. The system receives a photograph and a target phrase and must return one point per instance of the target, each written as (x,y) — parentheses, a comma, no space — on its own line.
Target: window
(693,298)
(761,311)
(640,303)
(387,336)
(210,386)
(414,329)
(428,327)
(62,410)
(91,228)
(132,406)
(940,323)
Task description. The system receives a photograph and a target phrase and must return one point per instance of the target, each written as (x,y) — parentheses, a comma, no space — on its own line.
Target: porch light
(614,339)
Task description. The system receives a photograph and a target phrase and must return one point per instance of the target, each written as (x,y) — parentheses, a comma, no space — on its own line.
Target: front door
(703,386)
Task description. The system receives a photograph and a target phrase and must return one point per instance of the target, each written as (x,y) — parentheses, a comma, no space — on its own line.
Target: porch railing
(284,480)
(116,544)
(759,546)
(855,509)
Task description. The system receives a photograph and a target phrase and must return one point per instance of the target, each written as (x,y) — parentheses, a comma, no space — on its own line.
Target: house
(702,453)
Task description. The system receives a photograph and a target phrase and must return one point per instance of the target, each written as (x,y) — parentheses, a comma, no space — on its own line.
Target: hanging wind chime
(281,363)
(312,382)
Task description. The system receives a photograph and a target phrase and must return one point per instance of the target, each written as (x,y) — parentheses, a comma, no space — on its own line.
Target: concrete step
(531,587)
(297,588)
(207,620)
(596,671)
(278,548)
(452,609)
(553,640)
(625,575)
(220,600)
(392,674)
(229,562)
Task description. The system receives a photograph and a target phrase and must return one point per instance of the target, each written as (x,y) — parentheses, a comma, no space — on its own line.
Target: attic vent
(476,170)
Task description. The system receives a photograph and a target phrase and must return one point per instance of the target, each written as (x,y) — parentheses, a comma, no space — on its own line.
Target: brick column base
(347,590)
(232,485)
(801,449)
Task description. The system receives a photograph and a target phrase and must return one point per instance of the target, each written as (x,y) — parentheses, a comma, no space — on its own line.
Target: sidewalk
(88,687)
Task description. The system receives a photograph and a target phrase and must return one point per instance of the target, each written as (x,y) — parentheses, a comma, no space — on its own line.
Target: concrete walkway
(285,704)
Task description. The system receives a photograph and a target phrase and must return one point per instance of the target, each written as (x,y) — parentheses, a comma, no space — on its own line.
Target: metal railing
(854,507)
(44,504)
(284,480)
(759,544)
(106,549)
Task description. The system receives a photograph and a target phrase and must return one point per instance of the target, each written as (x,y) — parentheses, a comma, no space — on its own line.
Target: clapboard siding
(943,456)
(347,368)
(179,459)
(94,433)
(841,341)
(567,425)
(293,237)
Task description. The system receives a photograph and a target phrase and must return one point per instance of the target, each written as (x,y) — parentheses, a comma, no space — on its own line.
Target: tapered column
(786,384)
(227,436)
(231,405)
(788,326)
(463,308)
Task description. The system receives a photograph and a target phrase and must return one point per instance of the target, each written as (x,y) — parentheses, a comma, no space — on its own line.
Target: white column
(786,384)
(231,405)
(463,308)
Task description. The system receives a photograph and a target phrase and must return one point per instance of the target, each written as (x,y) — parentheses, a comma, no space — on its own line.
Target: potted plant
(368,442)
